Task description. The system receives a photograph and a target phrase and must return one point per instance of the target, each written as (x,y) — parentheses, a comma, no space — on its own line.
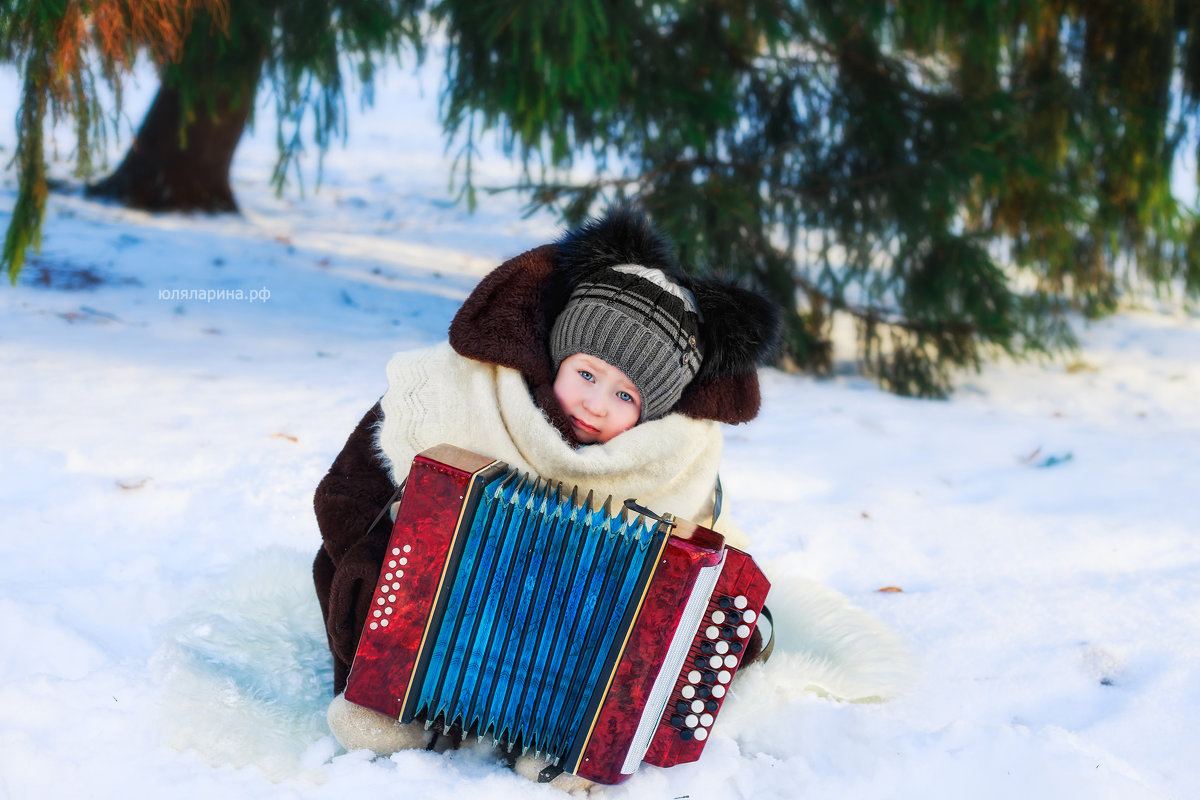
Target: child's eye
(626,396)
(587,376)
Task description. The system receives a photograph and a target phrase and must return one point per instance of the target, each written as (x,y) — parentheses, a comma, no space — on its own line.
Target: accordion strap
(396,495)
(633,505)
(717,493)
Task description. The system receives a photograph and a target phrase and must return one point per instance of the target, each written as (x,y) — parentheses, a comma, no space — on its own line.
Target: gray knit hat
(642,323)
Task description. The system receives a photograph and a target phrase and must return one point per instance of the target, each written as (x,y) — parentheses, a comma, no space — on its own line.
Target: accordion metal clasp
(512,607)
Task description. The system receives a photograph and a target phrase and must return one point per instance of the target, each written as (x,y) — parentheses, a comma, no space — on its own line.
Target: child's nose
(594,405)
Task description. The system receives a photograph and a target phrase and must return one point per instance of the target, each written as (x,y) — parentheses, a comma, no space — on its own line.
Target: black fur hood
(507,318)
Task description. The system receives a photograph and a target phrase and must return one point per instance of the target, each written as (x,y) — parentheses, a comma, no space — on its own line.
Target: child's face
(598,398)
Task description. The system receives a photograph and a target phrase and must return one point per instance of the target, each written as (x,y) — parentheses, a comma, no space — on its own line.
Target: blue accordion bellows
(539,604)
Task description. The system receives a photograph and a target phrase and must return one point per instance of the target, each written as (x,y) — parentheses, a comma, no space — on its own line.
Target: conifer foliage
(954,176)
(62,48)
(212,56)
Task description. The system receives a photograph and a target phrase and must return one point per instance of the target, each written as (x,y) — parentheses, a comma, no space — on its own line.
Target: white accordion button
(718,692)
(391,598)
(387,610)
(378,613)
(706,720)
(723,677)
(374,626)
(387,576)
(694,676)
(722,647)
(749,616)
(380,601)
(743,631)
(712,632)
(383,622)
(395,587)
(740,601)
(700,734)
(691,720)
(395,551)
(715,662)
(688,692)
(698,706)
(392,563)
(731,661)
(718,617)
(408,548)
(399,573)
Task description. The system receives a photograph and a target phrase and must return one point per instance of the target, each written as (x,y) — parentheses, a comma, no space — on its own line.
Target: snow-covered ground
(158,455)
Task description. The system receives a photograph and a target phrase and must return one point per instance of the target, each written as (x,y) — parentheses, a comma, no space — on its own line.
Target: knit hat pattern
(640,322)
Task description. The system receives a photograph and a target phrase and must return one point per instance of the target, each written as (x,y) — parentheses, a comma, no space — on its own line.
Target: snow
(158,457)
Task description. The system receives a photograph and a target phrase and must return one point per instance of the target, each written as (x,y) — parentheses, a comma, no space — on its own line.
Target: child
(595,361)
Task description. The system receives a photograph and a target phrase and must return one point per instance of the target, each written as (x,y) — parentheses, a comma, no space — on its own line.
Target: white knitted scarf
(435,395)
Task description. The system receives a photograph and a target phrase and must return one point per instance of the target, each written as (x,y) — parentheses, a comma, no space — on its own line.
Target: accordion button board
(713,659)
(519,610)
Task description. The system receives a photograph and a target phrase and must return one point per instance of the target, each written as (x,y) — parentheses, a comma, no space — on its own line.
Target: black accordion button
(707,648)
(682,707)
(728,631)
(703,691)
(708,676)
(685,734)
(725,602)
(700,661)
(676,721)
(710,705)
(735,648)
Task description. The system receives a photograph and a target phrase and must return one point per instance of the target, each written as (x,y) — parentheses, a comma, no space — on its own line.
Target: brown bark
(176,166)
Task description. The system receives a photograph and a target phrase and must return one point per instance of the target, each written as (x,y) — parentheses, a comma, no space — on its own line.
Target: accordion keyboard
(714,657)
(712,662)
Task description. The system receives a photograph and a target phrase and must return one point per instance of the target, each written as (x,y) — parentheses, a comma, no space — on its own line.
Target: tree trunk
(174,165)
(180,158)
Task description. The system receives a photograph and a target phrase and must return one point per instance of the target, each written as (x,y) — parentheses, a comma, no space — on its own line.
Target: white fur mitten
(359,728)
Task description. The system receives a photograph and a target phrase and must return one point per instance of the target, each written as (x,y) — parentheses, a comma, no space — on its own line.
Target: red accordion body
(598,640)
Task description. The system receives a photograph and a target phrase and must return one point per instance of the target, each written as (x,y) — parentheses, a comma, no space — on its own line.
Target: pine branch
(890,317)
(24,229)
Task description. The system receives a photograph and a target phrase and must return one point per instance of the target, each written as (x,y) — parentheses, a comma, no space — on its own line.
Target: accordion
(593,637)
